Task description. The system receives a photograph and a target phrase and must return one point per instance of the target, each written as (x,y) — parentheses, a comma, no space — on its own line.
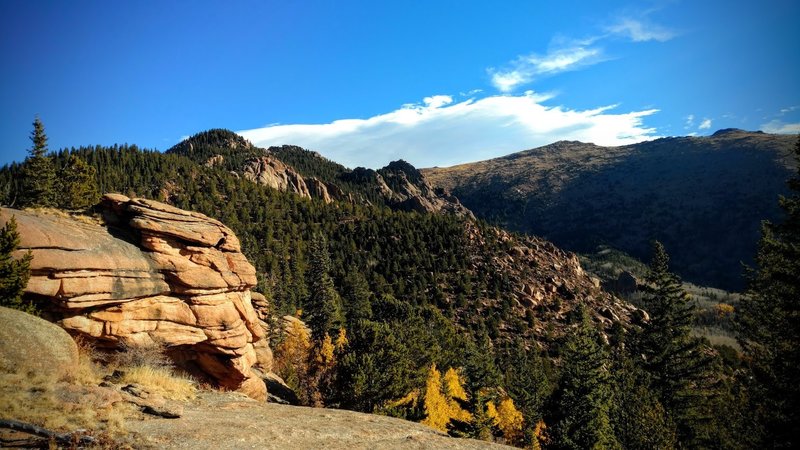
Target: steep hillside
(703,197)
(293,169)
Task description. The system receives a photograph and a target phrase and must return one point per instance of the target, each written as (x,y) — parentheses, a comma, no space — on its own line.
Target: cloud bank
(441,132)
(780,127)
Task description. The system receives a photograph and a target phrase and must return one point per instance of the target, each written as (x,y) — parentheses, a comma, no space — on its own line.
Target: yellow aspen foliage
(454,390)
(295,347)
(540,435)
(409,399)
(436,408)
(293,353)
(453,384)
(324,354)
(341,339)
(509,420)
(491,413)
(723,310)
(440,404)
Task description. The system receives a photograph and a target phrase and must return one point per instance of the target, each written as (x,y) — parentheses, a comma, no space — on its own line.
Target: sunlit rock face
(152,274)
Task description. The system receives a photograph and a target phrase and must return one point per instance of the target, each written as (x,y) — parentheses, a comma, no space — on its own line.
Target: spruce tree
(357,297)
(584,397)
(677,362)
(14,273)
(770,323)
(38,174)
(78,186)
(323,308)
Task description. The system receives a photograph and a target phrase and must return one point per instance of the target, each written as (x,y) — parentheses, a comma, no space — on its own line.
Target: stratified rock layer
(155,274)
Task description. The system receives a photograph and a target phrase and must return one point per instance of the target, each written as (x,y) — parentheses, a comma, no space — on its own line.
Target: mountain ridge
(581,195)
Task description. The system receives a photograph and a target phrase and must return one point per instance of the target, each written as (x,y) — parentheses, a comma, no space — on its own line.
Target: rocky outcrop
(319,189)
(408,189)
(268,171)
(31,344)
(547,282)
(154,273)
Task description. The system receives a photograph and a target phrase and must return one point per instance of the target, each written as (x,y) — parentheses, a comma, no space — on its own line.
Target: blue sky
(363,83)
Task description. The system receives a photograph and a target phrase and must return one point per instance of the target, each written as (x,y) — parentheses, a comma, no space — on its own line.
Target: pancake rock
(153,274)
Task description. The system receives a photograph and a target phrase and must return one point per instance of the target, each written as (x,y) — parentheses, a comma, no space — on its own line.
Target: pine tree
(585,393)
(770,323)
(78,186)
(677,362)
(14,273)
(527,384)
(38,174)
(324,306)
(357,297)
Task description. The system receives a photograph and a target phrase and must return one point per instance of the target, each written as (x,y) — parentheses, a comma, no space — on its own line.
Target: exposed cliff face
(270,172)
(404,187)
(410,190)
(154,274)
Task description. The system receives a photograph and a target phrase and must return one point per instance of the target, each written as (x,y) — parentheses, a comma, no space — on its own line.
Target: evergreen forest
(410,314)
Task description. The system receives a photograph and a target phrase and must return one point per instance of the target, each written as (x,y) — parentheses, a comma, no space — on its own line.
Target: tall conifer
(677,362)
(324,306)
(38,172)
(770,319)
(585,392)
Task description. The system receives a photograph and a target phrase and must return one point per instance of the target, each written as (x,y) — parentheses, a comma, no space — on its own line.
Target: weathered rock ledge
(154,274)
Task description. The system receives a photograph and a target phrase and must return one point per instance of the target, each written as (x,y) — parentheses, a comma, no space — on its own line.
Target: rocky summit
(152,274)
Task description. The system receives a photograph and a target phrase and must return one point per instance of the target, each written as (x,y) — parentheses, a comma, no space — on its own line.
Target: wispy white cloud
(689,121)
(640,30)
(527,68)
(780,127)
(704,125)
(571,54)
(441,132)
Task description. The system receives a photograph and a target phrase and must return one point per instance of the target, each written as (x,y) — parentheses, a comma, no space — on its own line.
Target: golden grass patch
(161,380)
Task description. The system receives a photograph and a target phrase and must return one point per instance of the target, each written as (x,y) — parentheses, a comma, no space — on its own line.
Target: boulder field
(151,274)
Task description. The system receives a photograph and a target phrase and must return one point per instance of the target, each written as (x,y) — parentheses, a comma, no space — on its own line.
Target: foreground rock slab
(227,420)
(153,274)
(31,344)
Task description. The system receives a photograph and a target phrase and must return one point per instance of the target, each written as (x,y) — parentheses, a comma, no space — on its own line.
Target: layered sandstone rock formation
(154,274)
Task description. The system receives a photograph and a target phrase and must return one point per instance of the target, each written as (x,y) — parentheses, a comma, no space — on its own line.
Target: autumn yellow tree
(509,420)
(440,399)
(292,356)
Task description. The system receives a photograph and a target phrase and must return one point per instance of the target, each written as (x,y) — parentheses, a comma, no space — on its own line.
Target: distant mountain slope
(704,197)
(294,169)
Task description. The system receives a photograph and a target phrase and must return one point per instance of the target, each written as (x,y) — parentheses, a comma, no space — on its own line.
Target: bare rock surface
(155,274)
(269,171)
(217,420)
(28,343)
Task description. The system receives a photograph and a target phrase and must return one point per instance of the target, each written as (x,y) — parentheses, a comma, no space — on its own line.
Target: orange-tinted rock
(155,274)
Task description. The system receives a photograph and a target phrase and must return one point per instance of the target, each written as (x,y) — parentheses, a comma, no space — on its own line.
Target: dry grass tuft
(162,381)
(80,216)
(43,400)
(150,367)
